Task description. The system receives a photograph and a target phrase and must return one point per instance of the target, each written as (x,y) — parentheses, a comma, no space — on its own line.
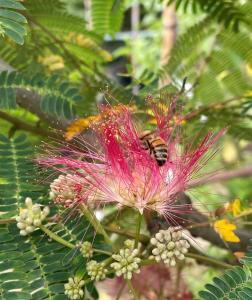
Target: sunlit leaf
(11,22)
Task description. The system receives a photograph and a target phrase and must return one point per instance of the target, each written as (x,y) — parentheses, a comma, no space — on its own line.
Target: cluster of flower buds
(66,190)
(96,271)
(73,289)
(31,217)
(86,249)
(127,261)
(169,246)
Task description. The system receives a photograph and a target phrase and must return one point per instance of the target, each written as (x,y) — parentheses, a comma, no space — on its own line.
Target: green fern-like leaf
(233,284)
(185,45)
(117,14)
(12,22)
(45,5)
(15,175)
(35,267)
(240,44)
(247,259)
(60,23)
(225,12)
(57,97)
(13,56)
(224,74)
(82,45)
(54,31)
(87,51)
(216,71)
(107,16)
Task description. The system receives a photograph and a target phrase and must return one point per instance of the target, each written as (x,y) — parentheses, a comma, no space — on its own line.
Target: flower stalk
(60,240)
(56,238)
(102,251)
(244,214)
(138,229)
(202,258)
(132,290)
(209,260)
(142,238)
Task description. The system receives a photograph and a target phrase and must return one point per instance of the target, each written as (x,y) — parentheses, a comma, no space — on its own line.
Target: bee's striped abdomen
(156,147)
(160,151)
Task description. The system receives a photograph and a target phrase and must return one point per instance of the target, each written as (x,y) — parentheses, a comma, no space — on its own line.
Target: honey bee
(156,147)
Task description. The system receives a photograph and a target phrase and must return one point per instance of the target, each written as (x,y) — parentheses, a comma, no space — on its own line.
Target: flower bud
(21,225)
(29,229)
(96,271)
(36,209)
(30,217)
(46,211)
(67,189)
(18,219)
(37,223)
(23,232)
(169,246)
(23,214)
(73,289)
(28,202)
(127,261)
(29,220)
(86,249)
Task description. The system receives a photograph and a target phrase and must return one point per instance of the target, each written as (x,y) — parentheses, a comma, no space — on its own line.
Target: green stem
(209,260)
(146,262)
(208,223)
(7,221)
(142,238)
(107,261)
(243,223)
(244,214)
(119,294)
(95,222)
(102,251)
(132,290)
(56,238)
(138,231)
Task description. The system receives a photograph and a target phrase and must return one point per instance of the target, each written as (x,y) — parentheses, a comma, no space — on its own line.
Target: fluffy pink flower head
(124,172)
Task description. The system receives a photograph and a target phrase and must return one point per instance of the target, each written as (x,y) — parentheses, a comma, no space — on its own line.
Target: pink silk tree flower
(125,171)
